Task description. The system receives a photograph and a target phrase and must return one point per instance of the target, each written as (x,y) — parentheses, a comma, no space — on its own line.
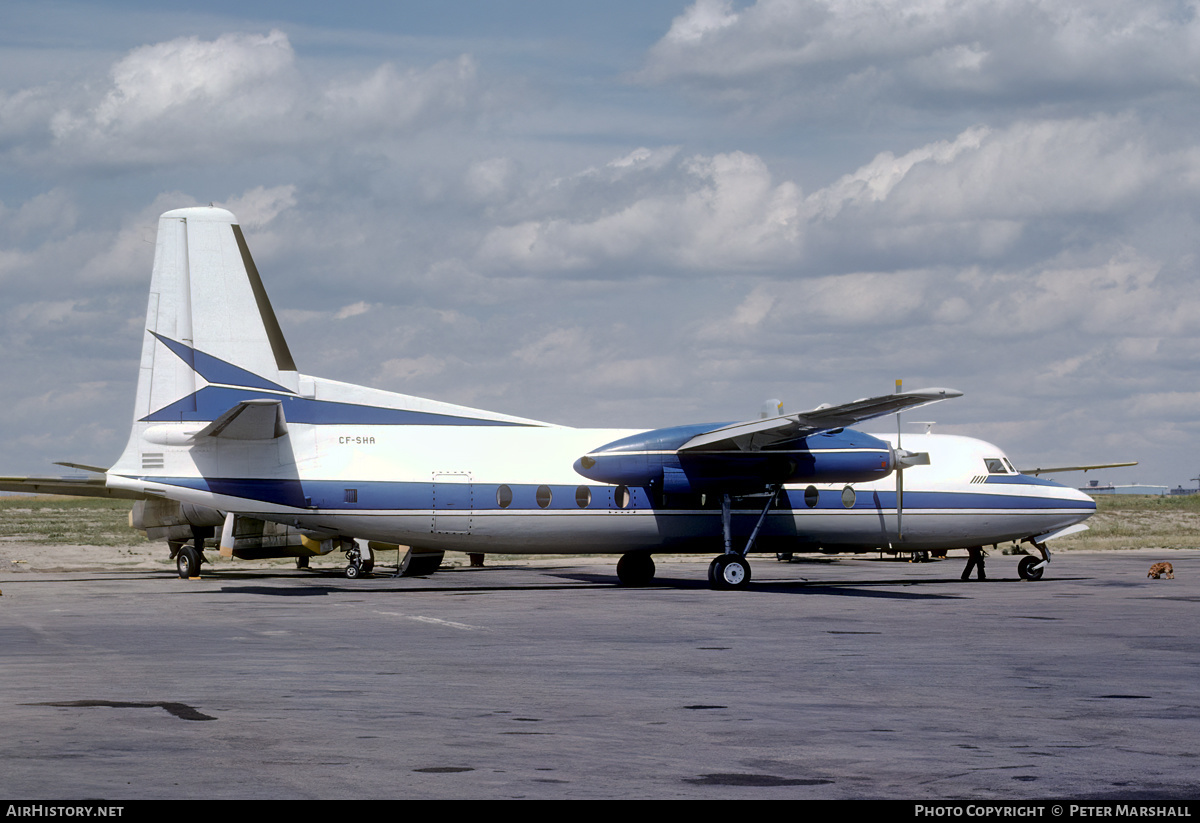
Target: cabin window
(583,497)
(504,497)
(848,497)
(811,497)
(621,496)
(544,496)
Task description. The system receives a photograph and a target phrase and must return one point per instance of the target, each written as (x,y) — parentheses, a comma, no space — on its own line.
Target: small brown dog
(1159,569)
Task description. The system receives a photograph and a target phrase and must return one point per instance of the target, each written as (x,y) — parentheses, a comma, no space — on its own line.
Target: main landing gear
(188,558)
(731,570)
(187,562)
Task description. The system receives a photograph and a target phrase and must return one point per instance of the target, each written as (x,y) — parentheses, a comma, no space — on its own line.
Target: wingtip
(940,393)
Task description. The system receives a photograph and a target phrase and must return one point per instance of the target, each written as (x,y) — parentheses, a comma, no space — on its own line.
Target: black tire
(187,563)
(302,563)
(635,569)
(784,557)
(353,571)
(1026,570)
(729,571)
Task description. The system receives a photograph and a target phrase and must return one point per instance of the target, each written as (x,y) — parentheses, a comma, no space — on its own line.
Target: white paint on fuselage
(960,513)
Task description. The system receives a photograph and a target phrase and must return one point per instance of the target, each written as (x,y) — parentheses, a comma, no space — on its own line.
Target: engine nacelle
(654,459)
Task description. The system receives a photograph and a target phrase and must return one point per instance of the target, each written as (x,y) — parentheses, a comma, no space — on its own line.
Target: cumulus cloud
(261,205)
(731,213)
(974,197)
(189,99)
(930,53)
(353,310)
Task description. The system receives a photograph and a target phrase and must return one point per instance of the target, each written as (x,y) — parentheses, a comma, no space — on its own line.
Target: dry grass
(1129,522)
(83,521)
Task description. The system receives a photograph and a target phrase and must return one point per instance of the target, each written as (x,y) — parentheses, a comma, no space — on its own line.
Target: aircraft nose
(1076,497)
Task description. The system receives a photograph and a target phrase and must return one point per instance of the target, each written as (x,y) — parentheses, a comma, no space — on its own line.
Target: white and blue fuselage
(224,421)
(514,488)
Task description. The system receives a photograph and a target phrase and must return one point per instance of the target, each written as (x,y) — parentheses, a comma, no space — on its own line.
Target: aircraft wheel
(1026,570)
(301,563)
(784,557)
(635,569)
(187,563)
(729,571)
(353,571)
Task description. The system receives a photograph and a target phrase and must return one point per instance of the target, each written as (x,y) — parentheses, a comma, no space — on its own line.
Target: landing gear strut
(731,570)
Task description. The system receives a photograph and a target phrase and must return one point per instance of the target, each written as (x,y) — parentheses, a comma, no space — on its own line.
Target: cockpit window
(996,465)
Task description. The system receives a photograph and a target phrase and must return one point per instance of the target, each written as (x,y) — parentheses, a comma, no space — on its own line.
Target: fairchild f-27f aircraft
(229,437)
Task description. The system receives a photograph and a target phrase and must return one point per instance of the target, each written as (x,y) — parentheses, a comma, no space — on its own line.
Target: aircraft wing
(76,486)
(1036,472)
(755,434)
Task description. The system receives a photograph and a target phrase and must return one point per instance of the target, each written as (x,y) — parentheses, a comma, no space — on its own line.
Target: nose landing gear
(1031,568)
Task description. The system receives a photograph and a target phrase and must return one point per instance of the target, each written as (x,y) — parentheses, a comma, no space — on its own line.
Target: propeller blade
(899,474)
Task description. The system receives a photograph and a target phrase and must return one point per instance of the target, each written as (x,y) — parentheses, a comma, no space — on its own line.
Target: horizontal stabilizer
(259,419)
(83,466)
(757,434)
(1036,472)
(74,486)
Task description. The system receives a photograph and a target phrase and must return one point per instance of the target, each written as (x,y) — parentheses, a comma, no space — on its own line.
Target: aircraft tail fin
(213,356)
(209,321)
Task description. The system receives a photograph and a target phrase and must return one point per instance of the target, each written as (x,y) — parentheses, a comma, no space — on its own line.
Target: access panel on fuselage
(453,500)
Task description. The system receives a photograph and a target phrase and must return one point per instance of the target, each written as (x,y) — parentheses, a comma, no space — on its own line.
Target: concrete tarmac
(847,678)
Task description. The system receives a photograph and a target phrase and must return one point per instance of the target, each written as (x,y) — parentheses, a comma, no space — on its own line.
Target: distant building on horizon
(1093,487)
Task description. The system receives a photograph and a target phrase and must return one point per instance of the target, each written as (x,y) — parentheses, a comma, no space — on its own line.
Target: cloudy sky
(628,214)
